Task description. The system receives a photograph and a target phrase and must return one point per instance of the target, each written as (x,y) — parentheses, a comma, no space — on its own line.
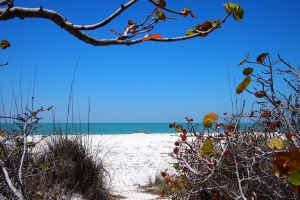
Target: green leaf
(242,86)
(243,61)
(207,149)
(247,71)
(190,32)
(176,166)
(178,128)
(173,187)
(277,143)
(187,10)
(237,10)
(295,177)
(161,15)
(31,144)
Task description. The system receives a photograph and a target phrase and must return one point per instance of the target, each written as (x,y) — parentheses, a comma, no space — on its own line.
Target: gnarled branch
(75,30)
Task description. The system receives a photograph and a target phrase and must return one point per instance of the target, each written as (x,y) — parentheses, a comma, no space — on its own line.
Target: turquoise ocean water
(103,128)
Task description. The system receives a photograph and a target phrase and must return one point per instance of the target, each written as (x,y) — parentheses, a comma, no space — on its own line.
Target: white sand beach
(132,159)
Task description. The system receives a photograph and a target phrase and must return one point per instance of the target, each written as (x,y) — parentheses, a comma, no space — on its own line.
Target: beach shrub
(16,152)
(257,160)
(71,169)
(53,167)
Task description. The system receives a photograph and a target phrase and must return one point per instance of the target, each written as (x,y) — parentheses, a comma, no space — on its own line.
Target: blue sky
(147,82)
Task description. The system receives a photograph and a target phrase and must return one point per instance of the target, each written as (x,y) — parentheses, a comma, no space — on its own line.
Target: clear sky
(150,81)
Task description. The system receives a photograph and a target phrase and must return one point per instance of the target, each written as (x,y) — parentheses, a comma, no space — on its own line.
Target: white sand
(132,159)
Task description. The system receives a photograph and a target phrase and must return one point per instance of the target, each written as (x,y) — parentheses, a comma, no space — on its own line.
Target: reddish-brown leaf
(152,36)
(261,57)
(260,94)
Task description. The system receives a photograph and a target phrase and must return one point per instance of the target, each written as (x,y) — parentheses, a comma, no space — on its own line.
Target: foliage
(4,44)
(259,160)
(52,167)
(132,29)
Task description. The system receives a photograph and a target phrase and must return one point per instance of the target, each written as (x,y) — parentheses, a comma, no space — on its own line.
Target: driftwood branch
(76,30)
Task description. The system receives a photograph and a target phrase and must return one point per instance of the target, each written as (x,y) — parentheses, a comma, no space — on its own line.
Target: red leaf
(176,150)
(153,36)
(183,137)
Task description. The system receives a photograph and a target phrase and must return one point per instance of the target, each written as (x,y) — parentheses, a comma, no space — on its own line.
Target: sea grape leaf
(161,15)
(295,178)
(237,10)
(295,159)
(190,32)
(242,86)
(216,196)
(209,118)
(260,94)
(176,165)
(5,44)
(217,22)
(247,71)
(172,125)
(178,128)
(2,133)
(266,113)
(186,11)
(152,36)
(155,19)
(204,27)
(239,14)
(281,164)
(207,149)
(31,144)
(162,3)
(130,22)
(286,163)
(261,57)
(243,61)
(296,188)
(277,143)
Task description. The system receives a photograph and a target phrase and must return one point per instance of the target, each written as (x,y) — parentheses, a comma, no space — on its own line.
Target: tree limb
(10,185)
(22,13)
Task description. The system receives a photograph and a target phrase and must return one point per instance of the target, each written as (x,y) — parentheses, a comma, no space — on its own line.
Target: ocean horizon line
(104,128)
